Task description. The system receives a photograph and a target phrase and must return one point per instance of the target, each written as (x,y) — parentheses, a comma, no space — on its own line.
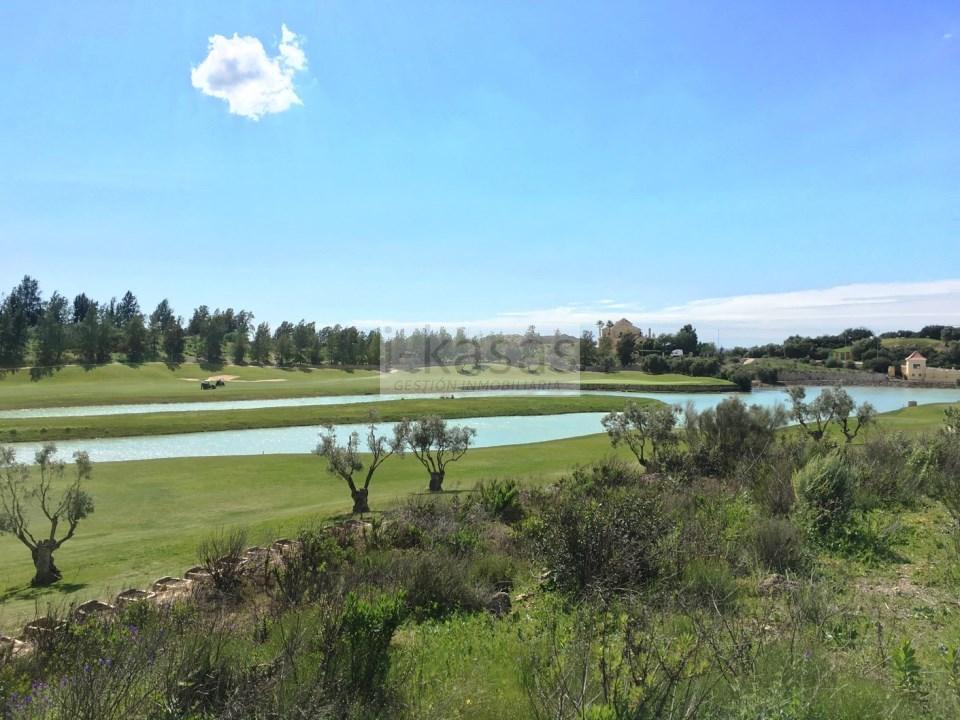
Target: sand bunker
(232,378)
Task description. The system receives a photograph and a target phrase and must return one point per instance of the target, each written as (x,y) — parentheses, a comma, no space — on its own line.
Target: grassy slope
(104,426)
(155,382)
(911,342)
(150,514)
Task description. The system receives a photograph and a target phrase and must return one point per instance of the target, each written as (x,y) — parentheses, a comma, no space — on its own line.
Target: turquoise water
(491,431)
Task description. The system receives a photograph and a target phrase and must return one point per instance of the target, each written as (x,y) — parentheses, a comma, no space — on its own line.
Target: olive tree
(345,460)
(26,495)
(639,424)
(815,416)
(849,417)
(436,444)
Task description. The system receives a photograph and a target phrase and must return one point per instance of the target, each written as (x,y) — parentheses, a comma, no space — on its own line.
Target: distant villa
(914,369)
(620,328)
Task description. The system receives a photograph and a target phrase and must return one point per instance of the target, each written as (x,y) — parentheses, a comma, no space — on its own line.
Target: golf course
(150,515)
(157,382)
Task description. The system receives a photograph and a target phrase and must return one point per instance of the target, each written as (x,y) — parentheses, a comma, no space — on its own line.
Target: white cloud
(254,84)
(748,319)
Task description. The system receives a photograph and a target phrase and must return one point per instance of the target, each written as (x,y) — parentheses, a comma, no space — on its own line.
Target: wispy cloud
(239,71)
(747,319)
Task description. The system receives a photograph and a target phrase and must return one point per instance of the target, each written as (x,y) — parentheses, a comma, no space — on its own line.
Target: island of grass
(172,423)
(119,383)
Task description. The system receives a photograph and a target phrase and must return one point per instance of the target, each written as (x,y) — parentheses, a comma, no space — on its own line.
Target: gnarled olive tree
(436,444)
(20,488)
(345,460)
(639,424)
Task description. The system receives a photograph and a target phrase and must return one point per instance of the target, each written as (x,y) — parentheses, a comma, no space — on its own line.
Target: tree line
(53,331)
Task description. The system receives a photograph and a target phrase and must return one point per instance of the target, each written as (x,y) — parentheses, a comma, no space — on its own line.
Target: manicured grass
(155,382)
(150,515)
(922,418)
(104,426)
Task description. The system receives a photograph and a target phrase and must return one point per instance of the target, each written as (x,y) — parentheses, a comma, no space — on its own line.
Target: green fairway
(150,515)
(155,382)
(168,423)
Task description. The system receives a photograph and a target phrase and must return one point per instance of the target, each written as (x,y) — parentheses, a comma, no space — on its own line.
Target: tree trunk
(436,481)
(360,505)
(47,572)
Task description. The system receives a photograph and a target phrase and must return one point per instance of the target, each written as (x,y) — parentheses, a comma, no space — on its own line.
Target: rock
(11,647)
(92,608)
(168,582)
(197,574)
(42,628)
(128,597)
(499,604)
(775,583)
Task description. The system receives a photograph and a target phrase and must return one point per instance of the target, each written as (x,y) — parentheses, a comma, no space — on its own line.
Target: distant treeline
(56,331)
(940,344)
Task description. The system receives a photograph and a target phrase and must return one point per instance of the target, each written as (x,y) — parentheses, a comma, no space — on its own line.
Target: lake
(491,431)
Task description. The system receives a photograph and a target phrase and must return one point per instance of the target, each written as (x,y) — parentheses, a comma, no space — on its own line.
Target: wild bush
(501,498)
(885,477)
(310,569)
(604,539)
(730,433)
(362,657)
(221,555)
(778,545)
(824,488)
(494,571)
(710,583)
(435,585)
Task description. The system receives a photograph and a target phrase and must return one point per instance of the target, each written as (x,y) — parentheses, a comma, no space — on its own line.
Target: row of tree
(743,429)
(867,347)
(46,491)
(651,353)
(54,331)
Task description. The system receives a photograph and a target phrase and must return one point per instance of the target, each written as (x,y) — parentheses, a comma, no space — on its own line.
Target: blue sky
(493,162)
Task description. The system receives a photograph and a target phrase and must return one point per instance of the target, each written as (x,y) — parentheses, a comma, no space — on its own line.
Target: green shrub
(402,535)
(824,488)
(607,538)
(363,657)
(309,570)
(493,571)
(710,583)
(778,545)
(221,555)
(435,585)
(501,498)
(885,476)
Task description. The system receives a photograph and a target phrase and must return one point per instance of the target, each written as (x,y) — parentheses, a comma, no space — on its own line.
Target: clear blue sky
(462,160)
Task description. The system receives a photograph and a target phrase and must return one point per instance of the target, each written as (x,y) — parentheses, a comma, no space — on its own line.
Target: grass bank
(118,383)
(170,423)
